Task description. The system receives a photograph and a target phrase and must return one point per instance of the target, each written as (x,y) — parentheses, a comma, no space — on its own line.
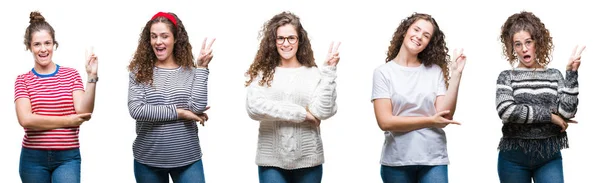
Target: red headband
(166,15)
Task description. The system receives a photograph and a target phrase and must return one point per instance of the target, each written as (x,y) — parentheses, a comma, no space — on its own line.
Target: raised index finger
(203,43)
(574,51)
(211,43)
(336,47)
(330,47)
(579,52)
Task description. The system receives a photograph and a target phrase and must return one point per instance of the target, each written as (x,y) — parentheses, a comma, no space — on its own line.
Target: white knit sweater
(285,140)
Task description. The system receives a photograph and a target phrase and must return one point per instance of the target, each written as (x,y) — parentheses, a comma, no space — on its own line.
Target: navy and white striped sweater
(163,140)
(525,100)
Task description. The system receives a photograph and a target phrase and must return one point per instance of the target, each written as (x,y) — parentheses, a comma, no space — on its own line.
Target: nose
(159,41)
(286,42)
(419,36)
(43,49)
(525,49)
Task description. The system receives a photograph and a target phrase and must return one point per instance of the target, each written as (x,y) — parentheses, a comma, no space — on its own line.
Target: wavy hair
(528,22)
(144,58)
(436,51)
(267,57)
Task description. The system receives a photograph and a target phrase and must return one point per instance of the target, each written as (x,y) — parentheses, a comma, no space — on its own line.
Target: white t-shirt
(412,91)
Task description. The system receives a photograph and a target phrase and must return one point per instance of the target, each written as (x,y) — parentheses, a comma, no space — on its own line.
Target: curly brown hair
(37,22)
(436,51)
(144,58)
(267,57)
(528,22)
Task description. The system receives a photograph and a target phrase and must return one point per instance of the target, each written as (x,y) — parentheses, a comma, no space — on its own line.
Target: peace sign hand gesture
(333,56)
(91,62)
(575,59)
(205,54)
(459,60)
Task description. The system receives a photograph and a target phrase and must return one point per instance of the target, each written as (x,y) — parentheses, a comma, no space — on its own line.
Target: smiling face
(524,46)
(42,47)
(287,42)
(417,36)
(162,41)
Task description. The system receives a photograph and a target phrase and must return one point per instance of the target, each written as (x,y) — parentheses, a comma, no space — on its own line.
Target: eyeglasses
(291,39)
(528,44)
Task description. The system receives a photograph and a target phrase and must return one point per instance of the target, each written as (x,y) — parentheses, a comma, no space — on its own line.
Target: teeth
(417,43)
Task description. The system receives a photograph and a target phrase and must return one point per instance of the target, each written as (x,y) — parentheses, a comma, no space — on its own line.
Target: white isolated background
(352,139)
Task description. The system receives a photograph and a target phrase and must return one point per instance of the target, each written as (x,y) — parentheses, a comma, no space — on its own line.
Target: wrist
(456,73)
(92,78)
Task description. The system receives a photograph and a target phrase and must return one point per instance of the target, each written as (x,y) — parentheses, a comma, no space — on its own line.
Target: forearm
(568,94)
(449,102)
(403,123)
(40,122)
(152,113)
(323,104)
(275,111)
(199,97)
(89,98)
(524,113)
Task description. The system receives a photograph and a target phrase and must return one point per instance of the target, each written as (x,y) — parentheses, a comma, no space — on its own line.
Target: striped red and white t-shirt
(50,95)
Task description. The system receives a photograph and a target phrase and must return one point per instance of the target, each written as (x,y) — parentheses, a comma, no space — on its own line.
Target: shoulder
(67,71)
(383,68)
(23,76)
(554,71)
(505,75)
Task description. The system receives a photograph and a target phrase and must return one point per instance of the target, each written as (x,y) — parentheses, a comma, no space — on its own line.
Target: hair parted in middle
(144,58)
(436,51)
(267,57)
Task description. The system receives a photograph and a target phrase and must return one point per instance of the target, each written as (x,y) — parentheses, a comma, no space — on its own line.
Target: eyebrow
(162,33)
(526,39)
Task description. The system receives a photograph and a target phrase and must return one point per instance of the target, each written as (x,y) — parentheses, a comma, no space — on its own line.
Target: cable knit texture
(284,139)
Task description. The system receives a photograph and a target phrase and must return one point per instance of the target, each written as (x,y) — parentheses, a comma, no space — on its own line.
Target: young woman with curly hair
(535,103)
(51,104)
(290,96)
(412,104)
(167,96)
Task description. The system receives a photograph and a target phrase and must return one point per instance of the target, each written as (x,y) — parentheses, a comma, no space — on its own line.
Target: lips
(416,42)
(43,55)
(161,50)
(527,58)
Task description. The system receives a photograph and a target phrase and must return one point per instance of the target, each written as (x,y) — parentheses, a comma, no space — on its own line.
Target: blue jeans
(518,167)
(190,173)
(279,175)
(414,174)
(60,166)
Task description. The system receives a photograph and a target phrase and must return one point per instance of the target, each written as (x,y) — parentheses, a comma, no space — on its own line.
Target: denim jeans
(414,174)
(518,167)
(279,175)
(186,174)
(56,166)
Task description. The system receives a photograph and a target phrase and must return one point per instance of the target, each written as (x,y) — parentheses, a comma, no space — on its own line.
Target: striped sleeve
(199,96)
(511,112)
(20,88)
(140,110)
(77,83)
(323,104)
(568,90)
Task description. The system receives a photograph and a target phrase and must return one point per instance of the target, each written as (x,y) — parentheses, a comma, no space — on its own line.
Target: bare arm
(84,99)
(448,101)
(388,122)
